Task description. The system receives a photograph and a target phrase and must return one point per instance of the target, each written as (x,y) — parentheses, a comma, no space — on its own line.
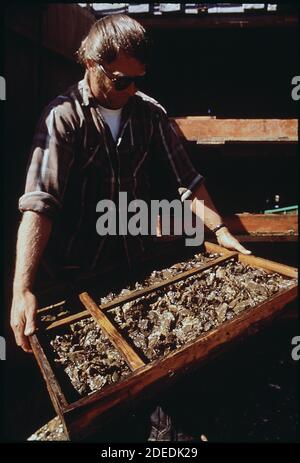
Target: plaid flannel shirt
(75,162)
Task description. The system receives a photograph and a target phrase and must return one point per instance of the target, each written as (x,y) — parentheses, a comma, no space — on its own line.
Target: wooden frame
(90,413)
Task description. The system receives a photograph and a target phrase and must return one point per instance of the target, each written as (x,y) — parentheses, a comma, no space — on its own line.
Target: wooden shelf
(208,130)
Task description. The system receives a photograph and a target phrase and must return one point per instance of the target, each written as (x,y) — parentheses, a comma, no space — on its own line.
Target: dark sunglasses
(123,82)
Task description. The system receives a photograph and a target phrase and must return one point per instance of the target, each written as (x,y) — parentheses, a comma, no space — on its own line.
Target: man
(100,138)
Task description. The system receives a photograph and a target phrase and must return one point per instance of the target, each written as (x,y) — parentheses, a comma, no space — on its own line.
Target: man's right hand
(22,319)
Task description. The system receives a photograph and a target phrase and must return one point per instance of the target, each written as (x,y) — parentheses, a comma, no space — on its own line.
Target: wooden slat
(135,294)
(262,223)
(207,130)
(265,264)
(129,354)
(261,237)
(58,399)
(212,247)
(67,320)
(92,410)
(257,262)
(278,227)
(50,307)
(266,238)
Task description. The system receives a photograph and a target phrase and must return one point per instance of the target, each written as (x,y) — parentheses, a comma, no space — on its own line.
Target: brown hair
(111,34)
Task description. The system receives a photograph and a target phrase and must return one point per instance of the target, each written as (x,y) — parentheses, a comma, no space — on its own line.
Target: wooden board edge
(70,319)
(268,265)
(57,397)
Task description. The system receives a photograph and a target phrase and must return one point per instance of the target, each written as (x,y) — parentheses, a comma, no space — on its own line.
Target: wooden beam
(286,224)
(58,399)
(252,227)
(129,354)
(263,238)
(211,130)
(212,21)
(268,265)
(70,319)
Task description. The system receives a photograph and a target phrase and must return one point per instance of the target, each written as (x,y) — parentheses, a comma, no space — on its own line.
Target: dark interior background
(233,73)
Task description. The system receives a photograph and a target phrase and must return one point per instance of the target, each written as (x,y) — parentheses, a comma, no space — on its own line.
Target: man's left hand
(228,241)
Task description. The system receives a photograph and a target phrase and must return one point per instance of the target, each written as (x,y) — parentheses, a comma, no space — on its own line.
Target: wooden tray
(83,416)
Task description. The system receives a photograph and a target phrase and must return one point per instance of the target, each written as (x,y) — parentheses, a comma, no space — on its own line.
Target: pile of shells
(197,261)
(51,431)
(162,321)
(88,357)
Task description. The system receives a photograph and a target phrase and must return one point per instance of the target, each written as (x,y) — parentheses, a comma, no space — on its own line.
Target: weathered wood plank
(132,358)
(266,238)
(286,224)
(212,247)
(258,227)
(58,399)
(269,265)
(50,307)
(207,130)
(67,320)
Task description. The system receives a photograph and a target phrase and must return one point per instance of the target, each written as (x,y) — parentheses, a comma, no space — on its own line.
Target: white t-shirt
(113,118)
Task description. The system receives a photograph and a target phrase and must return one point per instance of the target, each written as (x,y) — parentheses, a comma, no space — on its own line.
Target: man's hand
(22,320)
(228,241)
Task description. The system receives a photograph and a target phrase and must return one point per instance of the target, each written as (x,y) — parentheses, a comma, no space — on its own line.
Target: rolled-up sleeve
(169,144)
(50,161)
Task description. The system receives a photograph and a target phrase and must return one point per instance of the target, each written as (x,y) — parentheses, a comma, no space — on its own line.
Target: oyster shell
(88,357)
(195,305)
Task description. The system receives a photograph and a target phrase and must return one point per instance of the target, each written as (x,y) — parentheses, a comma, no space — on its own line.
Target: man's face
(104,89)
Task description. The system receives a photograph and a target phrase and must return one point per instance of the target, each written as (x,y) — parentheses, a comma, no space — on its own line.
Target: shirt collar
(85,91)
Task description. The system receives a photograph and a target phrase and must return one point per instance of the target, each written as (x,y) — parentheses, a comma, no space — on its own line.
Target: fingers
(23,319)
(226,240)
(30,322)
(241,249)
(21,340)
